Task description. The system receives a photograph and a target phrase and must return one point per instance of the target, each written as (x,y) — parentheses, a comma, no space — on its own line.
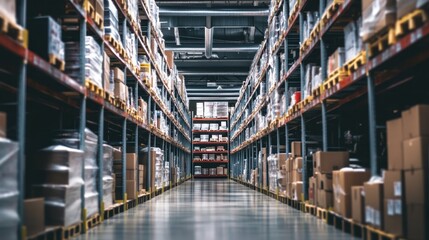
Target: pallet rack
(206,162)
(348,100)
(41,92)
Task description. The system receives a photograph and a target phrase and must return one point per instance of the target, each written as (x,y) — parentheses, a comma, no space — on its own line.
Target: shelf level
(210,131)
(209,161)
(208,152)
(210,176)
(209,143)
(209,119)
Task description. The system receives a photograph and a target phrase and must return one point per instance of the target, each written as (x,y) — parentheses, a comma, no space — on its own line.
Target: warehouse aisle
(213,209)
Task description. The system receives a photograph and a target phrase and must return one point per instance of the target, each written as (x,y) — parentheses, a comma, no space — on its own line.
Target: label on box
(398,207)
(377,221)
(390,207)
(369,214)
(397,188)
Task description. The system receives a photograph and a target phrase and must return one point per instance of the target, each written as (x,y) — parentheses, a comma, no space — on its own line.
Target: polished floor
(213,209)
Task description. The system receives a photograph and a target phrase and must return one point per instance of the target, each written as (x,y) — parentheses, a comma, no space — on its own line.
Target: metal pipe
(226,49)
(230,94)
(212,90)
(196,73)
(213,98)
(208,32)
(214,12)
(372,125)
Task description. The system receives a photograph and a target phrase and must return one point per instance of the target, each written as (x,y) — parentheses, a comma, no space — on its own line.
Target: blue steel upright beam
(82,124)
(149,146)
(21,109)
(100,158)
(303,139)
(324,75)
(124,159)
(372,125)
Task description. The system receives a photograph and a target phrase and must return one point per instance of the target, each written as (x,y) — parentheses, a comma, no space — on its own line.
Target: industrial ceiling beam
(200,73)
(217,48)
(189,90)
(213,12)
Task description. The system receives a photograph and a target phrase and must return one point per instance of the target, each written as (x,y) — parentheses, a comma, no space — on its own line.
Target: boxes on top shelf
(376,17)
(8,9)
(47,43)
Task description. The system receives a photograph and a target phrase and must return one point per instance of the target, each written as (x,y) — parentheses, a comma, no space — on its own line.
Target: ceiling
(214,43)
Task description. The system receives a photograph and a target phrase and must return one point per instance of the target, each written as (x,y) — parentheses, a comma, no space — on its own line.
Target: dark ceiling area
(214,43)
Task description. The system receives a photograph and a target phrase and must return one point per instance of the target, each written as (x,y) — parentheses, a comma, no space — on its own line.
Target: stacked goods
(406,6)
(336,60)
(47,42)
(111,22)
(131,48)
(143,110)
(107,76)
(358,204)
(208,109)
(117,173)
(133,10)
(296,178)
(120,89)
(145,69)
(263,165)
(107,175)
(312,18)
(60,172)
(343,180)
(377,15)
(8,9)
(131,174)
(221,109)
(324,163)
(374,210)
(34,216)
(313,78)
(71,139)
(9,187)
(406,181)
(154,158)
(352,42)
(166,177)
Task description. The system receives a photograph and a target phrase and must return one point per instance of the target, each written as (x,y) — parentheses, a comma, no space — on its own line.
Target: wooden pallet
(310,208)
(354,64)
(334,78)
(117,46)
(13,30)
(92,221)
(121,104)
(89,9)
(91,86)
(322,213)
(99,20)
(48,233)
(377,234)
(109,97)
(330,11)
(71,231)
(56,62)
(410,22)
(318,91)
(381,41)
(294,11)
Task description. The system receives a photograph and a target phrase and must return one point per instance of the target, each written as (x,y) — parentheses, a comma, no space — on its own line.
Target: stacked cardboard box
(376,16)
(132,178)
(374,204)
(343,180)
(324,163)
(358,204)
(108,188)
(143,158)
(292,167)
(34,215)
(120,89)
(406,181)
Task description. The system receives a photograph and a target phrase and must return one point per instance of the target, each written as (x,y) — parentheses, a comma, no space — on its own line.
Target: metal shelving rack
(358,87)
(74,105)
(207,162)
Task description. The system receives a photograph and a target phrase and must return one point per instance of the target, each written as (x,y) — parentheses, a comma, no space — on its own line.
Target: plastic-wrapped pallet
(159,167)
(208,109)
(272,172)
(61,170)
(94,60)
(376,15)
(222,109)
(107,175)
(71,139)
(9,217)
(111,20)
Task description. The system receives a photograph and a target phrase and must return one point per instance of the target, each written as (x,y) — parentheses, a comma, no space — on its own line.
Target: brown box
(324,182)
(324,199)
(131,189)
(219,170)
(342,182)
(415,122)
(296,190)
(296,149)
(358,204)
(393,184)
(395,139)
(141,167)
(117,154)
(377,15)
(132,175)
(312,190)
(394,218)
(3,124)
(296,175)
(404,7)
(416,219)
(374,204)
(281,159)
(132,161)
(297,163)
(416,153)
(120,90)
(326,162)
(144,160)
(118,74)
(416,186)
(289,190)
(170,58)
(34,213)
(47,159)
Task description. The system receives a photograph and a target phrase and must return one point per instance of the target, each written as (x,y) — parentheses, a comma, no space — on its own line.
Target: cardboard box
(296,175)
(343,181)
(404,7)
(144,160)
(281,157)
(132,161)
(296,190)
(170,58)
(3,124)
(324,199)
(416,153)
(132,175)
(336,60)
(393,184)
(131,189)
(394,216)
(120,90)
(324,182)
(326,162)
(374,207)
(376,16)
(296,149)
(117,154)
(312,190)
(417,217)
(416,186)
(358,204)
(297,163)
(415,122)
(395,139)
(34,213)
(219,170)
(118,74)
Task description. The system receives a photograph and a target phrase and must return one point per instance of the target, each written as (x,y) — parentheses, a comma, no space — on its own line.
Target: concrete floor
(213,209)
